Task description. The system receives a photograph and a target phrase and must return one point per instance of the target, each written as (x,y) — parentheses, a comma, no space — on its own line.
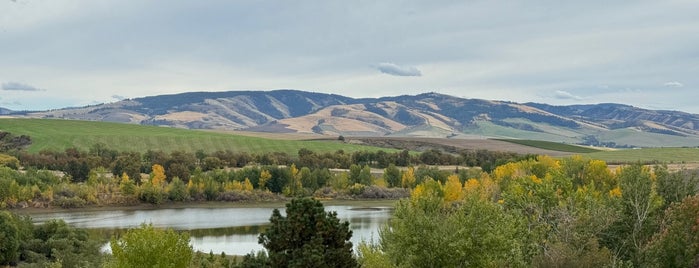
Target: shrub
(69,202)
(356,189)
(150,247)
(376,192)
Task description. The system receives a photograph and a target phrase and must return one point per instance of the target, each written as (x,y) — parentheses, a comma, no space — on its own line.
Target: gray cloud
(673,84)
(119,97)
(8,102)
(19,87)
(398,70)
(520,52)
(565,95)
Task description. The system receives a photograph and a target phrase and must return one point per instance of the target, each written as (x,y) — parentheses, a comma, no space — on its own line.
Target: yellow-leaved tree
(294,187)
(408,178)
(157,176)
(453,190)
(265,176)
(247,185)
(127,186)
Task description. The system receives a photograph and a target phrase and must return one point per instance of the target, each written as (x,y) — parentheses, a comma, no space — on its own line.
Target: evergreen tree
(308,237)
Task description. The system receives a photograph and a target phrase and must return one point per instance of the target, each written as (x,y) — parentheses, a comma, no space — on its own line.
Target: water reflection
(229,230)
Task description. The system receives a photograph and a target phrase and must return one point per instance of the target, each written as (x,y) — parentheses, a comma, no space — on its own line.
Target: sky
(61,53)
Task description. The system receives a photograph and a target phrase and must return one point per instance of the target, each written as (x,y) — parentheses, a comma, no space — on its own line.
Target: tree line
(543,212)
(102,176)
(182,164)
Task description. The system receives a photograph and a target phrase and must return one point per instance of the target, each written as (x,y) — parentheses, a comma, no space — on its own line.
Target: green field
(55,134)
(665,155)
(555,146)
(645,155)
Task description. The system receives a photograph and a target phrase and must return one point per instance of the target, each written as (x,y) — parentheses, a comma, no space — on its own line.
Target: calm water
(229,230)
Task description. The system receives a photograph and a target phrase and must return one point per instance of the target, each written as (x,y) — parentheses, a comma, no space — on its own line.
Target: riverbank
(214,226)
(368,203)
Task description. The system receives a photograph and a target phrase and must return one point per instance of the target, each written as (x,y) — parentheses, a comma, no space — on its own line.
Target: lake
(230,230)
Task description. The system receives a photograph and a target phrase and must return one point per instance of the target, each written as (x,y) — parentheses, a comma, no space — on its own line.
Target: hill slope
(61,134)
(424,115)
(4,111)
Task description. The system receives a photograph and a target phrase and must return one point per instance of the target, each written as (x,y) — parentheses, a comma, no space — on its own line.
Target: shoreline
(367,203)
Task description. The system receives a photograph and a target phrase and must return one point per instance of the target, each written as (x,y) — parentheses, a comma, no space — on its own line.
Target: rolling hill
(424,115)
(57,135)
(4,111)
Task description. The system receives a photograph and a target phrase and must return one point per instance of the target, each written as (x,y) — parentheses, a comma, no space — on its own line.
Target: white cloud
(19,87)
(119,97)
(673,84)
(398,70)
(565,95)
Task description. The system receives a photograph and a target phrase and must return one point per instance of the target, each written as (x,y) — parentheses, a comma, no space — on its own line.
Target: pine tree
(308,237)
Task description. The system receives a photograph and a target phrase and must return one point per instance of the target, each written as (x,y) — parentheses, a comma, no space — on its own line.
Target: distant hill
(5,111)
(423,115)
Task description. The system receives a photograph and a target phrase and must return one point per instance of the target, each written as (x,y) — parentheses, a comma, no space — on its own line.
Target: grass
(55,134)
(554,146)
(491,129)
(645,139)
(646,155)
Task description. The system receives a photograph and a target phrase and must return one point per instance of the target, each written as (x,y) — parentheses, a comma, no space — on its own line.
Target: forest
(524,211)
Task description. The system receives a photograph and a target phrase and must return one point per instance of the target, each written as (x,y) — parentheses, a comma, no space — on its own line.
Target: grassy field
(555,146)
(54,134)
(666,155)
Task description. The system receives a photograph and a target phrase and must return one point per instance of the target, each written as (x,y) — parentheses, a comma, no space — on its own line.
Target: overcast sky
(58,53)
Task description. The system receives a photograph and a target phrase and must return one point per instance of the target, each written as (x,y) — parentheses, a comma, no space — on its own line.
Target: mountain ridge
(5,111)
(423,115)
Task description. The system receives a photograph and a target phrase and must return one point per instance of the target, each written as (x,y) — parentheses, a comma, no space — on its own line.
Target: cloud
(673,84)
(398,70)
(119,97)
(565,95)
(19,87)
(11,103)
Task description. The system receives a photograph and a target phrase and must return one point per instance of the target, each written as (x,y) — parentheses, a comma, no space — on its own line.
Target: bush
(325,192)
(69,202)
(177,190)
(10,235)
(152,194)
(376,192)
(9,161)
(58,243)
(234,196)
(356,189)
(150,247)
(237,196)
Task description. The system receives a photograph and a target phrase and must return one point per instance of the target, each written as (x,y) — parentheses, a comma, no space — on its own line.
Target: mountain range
(5,111)
(424,115)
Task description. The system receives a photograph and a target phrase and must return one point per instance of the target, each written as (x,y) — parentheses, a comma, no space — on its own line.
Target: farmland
(49,134)
(554,146)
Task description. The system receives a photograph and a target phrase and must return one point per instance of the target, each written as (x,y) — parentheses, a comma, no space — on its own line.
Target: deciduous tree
(9,239)
(150,247)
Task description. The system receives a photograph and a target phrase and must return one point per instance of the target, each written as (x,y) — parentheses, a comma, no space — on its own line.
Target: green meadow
(56,134)
(554,146)
(664,155)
